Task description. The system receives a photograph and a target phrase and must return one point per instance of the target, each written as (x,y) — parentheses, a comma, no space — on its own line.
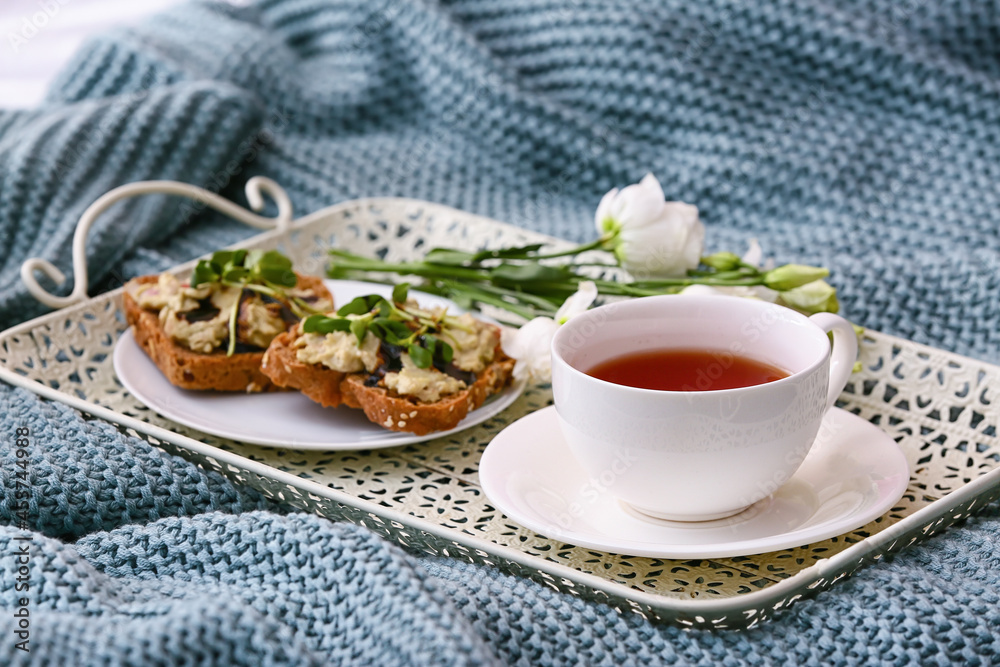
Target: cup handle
(843,355)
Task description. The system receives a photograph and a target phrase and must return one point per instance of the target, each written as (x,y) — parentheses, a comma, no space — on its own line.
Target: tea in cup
(685,407)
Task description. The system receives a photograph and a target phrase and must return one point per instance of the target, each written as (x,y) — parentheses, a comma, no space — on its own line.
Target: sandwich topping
(424,384)
(412,352)
(474,343)
(339,350)
(237,299)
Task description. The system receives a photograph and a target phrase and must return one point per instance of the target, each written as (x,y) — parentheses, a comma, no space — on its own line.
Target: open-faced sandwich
(210,332)
(410,369)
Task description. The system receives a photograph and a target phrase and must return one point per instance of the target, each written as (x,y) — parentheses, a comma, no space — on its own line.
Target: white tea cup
(707,454)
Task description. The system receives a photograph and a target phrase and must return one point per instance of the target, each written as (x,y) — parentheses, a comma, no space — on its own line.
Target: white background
(52,30)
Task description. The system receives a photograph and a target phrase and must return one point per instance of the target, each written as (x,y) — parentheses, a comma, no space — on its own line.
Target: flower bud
(814,297)
(791,276)
(723,261)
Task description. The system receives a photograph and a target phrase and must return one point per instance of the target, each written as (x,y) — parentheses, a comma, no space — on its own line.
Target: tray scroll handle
(256,187)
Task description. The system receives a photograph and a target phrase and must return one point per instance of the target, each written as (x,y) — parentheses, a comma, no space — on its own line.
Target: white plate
(281,419)
(854,473)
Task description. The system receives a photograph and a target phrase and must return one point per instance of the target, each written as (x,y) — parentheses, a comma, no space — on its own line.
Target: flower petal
(604,212)
(754,253)
(669,248)
(531,347)
(586,293)
(641,206)
(652,184)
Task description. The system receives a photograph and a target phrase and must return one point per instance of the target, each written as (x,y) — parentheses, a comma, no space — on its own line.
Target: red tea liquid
(685,370)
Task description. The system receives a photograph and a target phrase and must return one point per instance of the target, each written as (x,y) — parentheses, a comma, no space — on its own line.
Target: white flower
(531,345)
(754,256)
(586,293)
(651,237)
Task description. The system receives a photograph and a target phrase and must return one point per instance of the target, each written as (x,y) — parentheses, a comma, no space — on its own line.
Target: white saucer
(281,419)
(854,473)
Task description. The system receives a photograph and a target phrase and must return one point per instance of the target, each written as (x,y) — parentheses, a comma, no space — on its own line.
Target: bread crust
(187,369)
(332,388)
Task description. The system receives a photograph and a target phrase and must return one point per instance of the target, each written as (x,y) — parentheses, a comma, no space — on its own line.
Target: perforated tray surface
(941,408)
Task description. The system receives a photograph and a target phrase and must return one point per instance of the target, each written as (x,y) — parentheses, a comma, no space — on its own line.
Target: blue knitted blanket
(859,135)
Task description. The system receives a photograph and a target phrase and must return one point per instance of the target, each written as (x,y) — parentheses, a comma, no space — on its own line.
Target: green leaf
(312,323)
(399,328)
(235,275)
(422,357)
(391,331)
(279,276)
(203,273)
(517,274)
(439,349)
(445,352)
(448,257)
(253,258)
(400,292)
(361,305)
(359,328)
(357,306)
(272,267)
(223,257)
(518,252)
(322,324)
(379,304)
(273,259)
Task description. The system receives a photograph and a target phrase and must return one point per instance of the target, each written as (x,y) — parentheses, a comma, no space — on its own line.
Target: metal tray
(941,408)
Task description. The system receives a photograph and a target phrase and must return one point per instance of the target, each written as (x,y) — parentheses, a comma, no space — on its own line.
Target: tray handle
(256,187)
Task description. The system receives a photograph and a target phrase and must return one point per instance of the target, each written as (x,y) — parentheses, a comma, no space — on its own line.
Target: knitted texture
(863,135)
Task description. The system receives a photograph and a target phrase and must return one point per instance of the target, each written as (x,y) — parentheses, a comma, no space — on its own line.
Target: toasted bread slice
(332,388)
(187,369)
(281,366)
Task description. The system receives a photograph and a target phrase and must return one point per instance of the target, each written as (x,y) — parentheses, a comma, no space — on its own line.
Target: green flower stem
(537,304)
(600,265)
(485,297)
(724,275)
(611,288)
(403,314)
(546,304)
(472,282)
(250,286)
(749,281)
(472,292)
(347,261)
(303,307)
(593,245)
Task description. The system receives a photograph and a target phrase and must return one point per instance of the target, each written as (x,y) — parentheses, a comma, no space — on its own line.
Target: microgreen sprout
(395,322)
(265,272)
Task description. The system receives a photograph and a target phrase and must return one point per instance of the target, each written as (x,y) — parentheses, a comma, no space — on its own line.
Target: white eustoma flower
(579,302)
(650,237)
(531,345)
(754,256)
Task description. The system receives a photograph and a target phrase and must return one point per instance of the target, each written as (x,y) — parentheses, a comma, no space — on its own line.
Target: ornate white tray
(943,410)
